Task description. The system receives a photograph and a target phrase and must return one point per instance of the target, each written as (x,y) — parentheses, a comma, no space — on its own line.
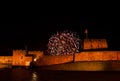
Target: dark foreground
(22,74)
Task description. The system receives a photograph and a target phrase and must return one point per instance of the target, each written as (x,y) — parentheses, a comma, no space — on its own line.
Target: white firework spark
(63,43)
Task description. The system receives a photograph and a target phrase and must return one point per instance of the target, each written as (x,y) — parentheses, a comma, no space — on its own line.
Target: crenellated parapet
(95,44)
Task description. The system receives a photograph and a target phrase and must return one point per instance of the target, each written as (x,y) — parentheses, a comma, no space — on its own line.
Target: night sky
(15,34)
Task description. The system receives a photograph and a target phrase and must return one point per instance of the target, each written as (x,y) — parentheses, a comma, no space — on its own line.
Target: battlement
(95,44)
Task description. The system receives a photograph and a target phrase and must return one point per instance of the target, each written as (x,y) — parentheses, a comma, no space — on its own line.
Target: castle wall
(37,54)
(97,56)
(82,56)
(19,58)
(95,44)
(49,60)
(5,59)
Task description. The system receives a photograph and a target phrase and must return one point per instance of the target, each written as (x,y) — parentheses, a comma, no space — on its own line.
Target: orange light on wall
(95,43)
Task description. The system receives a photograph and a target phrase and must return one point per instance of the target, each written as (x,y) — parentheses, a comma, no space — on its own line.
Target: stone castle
(90,53)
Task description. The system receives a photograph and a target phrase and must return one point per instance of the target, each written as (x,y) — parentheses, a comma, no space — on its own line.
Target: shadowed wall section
(50,60)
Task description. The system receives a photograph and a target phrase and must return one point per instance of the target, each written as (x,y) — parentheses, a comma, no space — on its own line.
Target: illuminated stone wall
(6,59)
(98,56)
(19,58)
(37,54)
(95,44)
(83,56)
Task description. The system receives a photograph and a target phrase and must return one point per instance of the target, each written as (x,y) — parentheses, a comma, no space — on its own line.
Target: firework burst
(63,43)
